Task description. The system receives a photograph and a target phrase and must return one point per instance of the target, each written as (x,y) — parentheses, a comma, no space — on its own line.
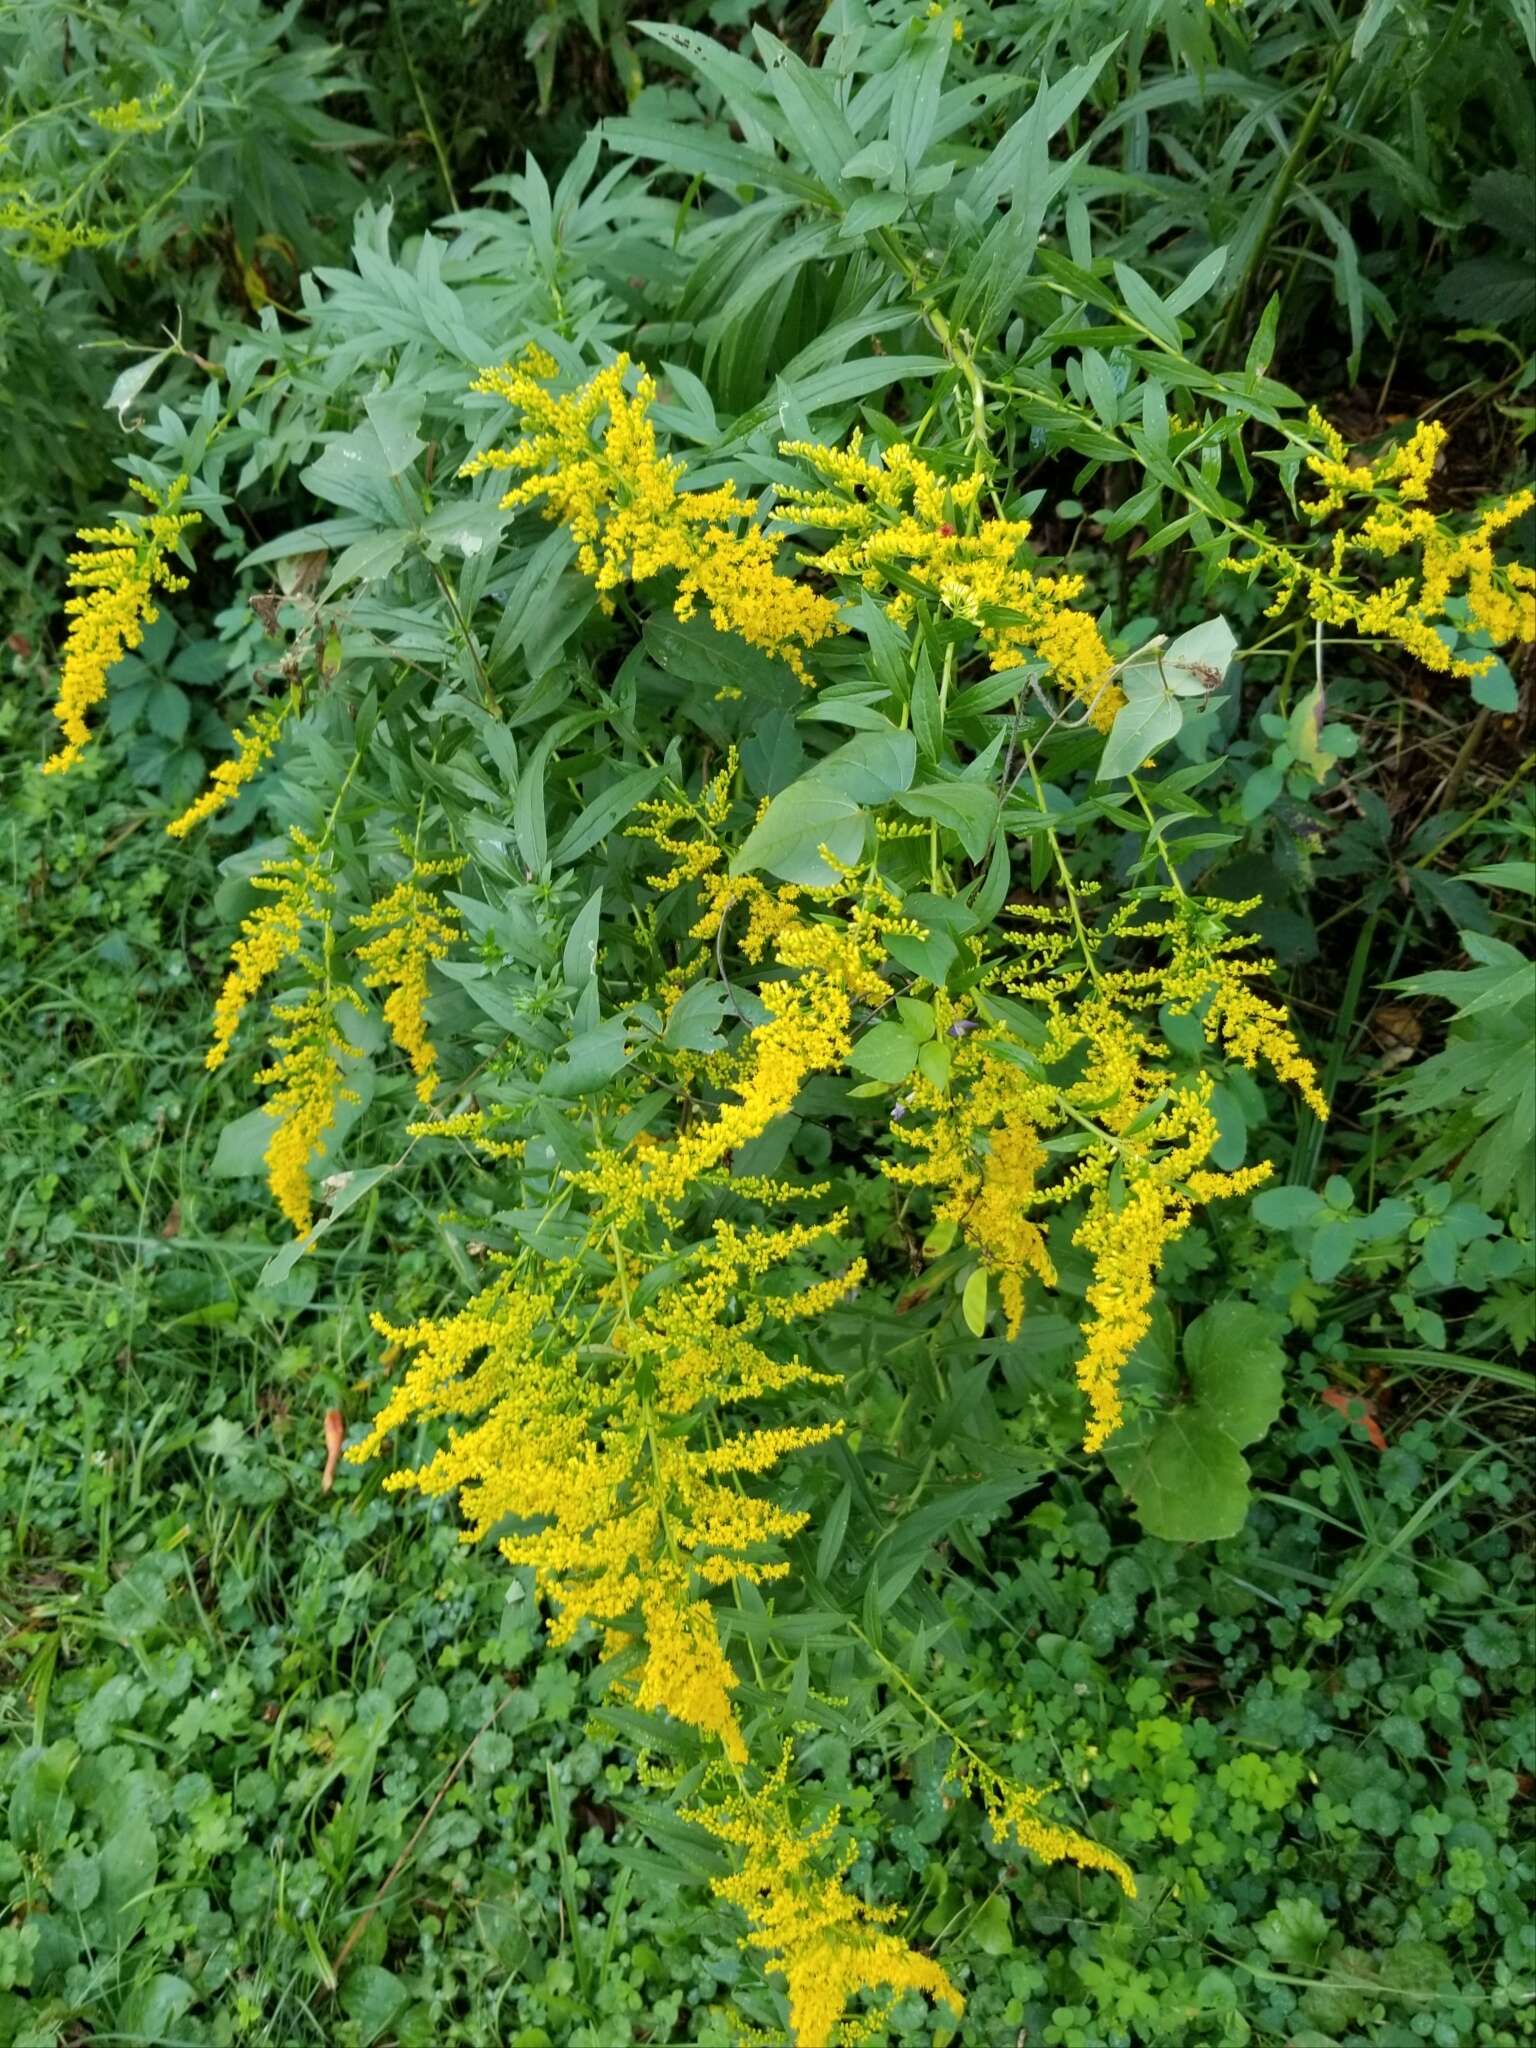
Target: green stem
(426,112)
(1481,812)
(1278,192)
(468,638)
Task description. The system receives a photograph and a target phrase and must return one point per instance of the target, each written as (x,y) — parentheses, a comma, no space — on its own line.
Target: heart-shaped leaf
(1181,1457)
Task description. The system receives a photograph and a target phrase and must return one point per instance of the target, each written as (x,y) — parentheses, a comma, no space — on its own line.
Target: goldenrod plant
(700,781)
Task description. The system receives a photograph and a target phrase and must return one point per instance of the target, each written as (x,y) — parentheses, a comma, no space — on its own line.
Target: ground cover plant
(773,1036)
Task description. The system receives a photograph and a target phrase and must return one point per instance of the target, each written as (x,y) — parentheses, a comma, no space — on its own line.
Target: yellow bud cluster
(808,1031)
(479,1126)
(1013,1813)
(307,1077)
(1409,466)
(113,580)
(133,116)
(664,817)
(591,457)
(47,234)
(902,524)
(1454,564)
(1131,1219)
(254,747)
(414,929)
(271,934)
(827,1944)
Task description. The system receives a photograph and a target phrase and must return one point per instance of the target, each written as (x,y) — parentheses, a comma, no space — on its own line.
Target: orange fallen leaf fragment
(1336,1397)
(335,1437)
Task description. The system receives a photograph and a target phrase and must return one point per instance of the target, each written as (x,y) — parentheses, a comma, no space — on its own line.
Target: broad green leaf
(886,1052)
(1373,18)
(1193,666)
(40,1808)
(973,1303)
(833,1529)
(1505,874)
(1181,1460)
(1145,306)
(965,808)
(705,153)
(693,1022)
(396,414)
(129,1861)
(696,652)
(1148,719)
(350,1191)
(927,719)
(810,106)
(242,1146)
(371,1998)
(578,961)
(837,385)
(1286,1208)
(1197,661)
(128,384)
(801,820)
(589,1060)
(826,808)
(1294,1932)
(1205,274)
(1495,690)
(992,1929)
(915,97)
(153,2007)
(604,812)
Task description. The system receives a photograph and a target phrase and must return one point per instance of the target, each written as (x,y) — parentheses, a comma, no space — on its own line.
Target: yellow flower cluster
(808,1030)
(1209,971)
(824,1941)
(133,116)
(591,457)
(590,1416)
(296,889)
(308,1078)
(305,1071)
(978,1137)
(693,852)
(414,929)
(584,1423)
(1408,467)
(479,1126)
(1141,1201)
(113,580)
(48,236)
(1013,1813)
(1097,1080)
(903,525)
(254,747)
(695,855)
(1453,563)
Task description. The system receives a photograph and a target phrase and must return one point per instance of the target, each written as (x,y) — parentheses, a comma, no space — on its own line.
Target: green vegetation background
(280,1765)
